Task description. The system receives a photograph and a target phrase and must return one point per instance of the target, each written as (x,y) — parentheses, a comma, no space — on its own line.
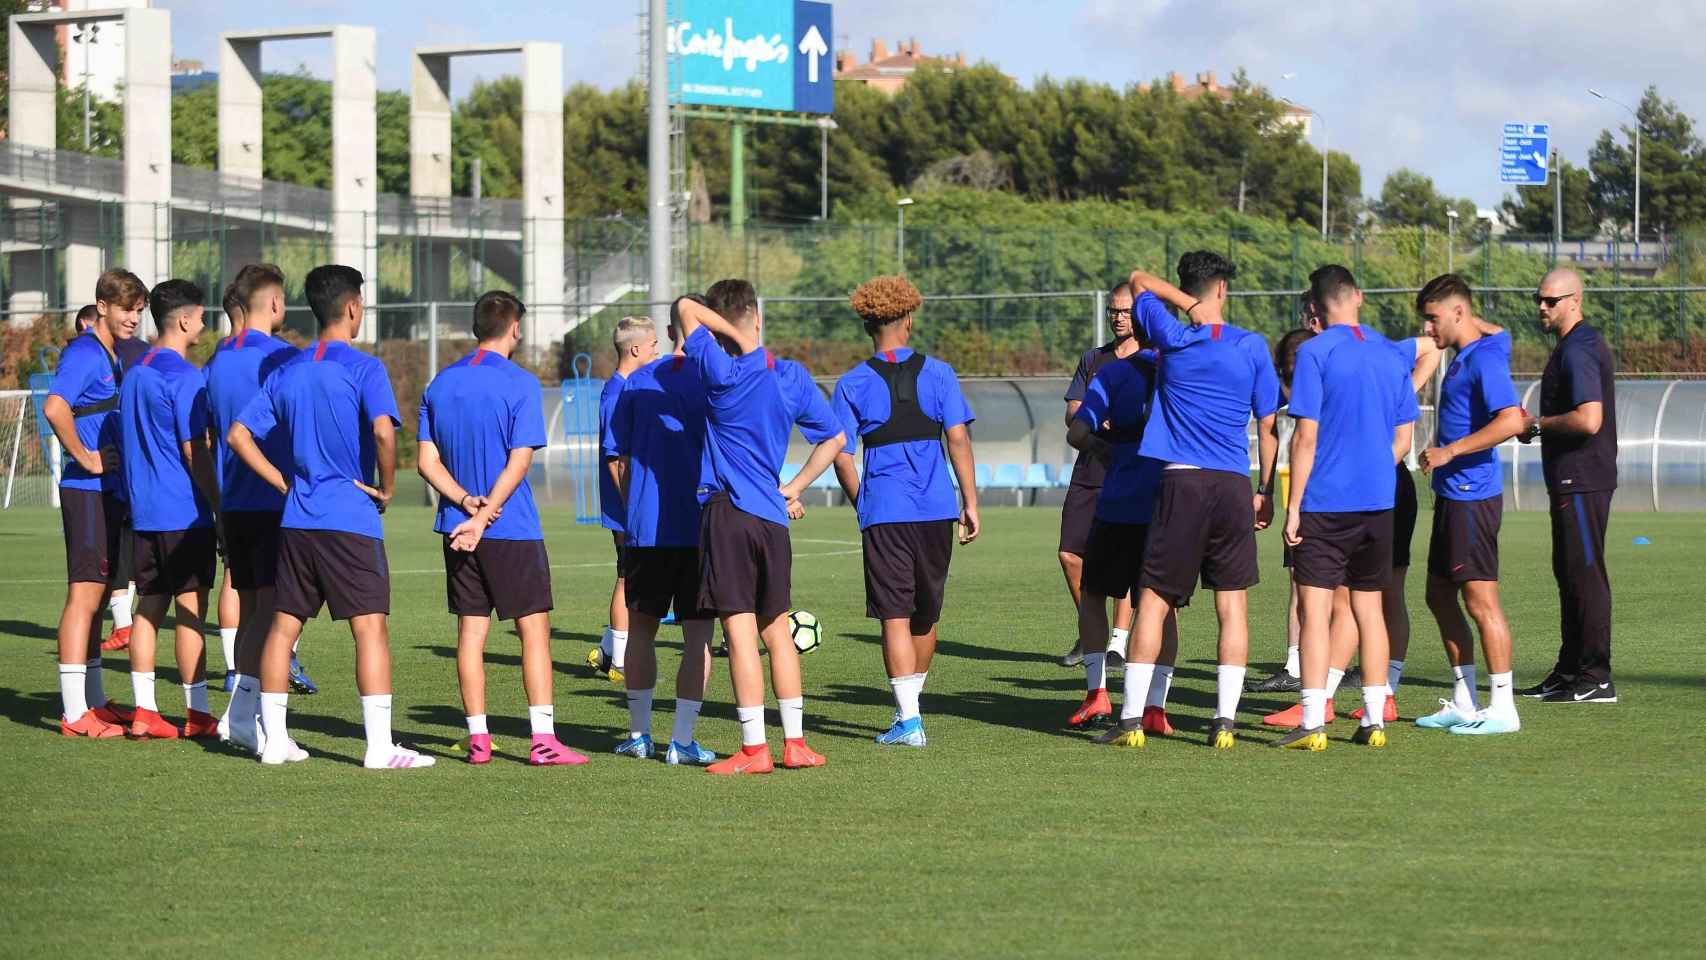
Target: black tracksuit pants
(1584,587)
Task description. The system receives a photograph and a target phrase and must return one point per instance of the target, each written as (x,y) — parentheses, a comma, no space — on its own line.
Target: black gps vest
(907,420)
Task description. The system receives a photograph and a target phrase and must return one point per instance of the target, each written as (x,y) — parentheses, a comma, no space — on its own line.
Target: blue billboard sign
(755,54)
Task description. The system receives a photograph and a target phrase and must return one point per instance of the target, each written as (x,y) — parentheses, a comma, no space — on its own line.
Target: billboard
(754,54)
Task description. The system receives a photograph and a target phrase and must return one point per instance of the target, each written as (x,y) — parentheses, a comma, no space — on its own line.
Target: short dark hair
(252,279)
(675,312)
(169,297)
(232,304)
(494,312)
(1330,282)
(89,314)
(1199,269)
(328,287)
(1285,352)
(1444,287)
(731,298)
(121,288)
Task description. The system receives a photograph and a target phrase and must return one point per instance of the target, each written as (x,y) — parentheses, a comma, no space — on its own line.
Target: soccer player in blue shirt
(1351,397)
(81,409)
(900,406)
(335,403)
(636,343)
(1478,410)
(658,433)
(1214,377)
(745,558)
(173,492)
(479,424)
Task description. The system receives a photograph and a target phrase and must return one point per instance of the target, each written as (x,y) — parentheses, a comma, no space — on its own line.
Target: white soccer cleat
(288,753)
(1447,716)
(396,758)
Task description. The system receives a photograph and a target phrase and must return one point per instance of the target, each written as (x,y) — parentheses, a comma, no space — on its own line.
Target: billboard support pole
(737,176)
(659,212)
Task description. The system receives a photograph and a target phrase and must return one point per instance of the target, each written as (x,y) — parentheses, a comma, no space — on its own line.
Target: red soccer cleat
(797,756)
(1391,712)
(1094,709)
(1155,721)
(149,725)
(1292,717)
(746,760)
(89,725)
(200,726)
(117,640)
(114,714)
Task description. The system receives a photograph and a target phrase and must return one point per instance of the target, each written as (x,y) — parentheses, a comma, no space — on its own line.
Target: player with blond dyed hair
(635,340)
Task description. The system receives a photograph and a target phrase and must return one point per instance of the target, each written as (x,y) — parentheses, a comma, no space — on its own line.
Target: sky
(1425,84)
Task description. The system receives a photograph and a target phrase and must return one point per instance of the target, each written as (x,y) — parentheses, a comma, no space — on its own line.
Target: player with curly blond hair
(899,405)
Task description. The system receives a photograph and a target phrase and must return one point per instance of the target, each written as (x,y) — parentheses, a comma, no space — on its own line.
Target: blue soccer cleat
(905,733)
(640,748)
(1447,716)
(1487,723)
(688,755)
(230,680)
(299,682)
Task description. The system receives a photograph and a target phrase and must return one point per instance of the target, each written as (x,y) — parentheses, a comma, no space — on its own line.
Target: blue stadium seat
(985,477)
(1009,475)
(1038,476)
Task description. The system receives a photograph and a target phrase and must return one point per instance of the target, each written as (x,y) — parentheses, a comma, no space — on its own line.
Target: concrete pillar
(148,144)
(85,254)
(32,87)
(240,107)
(542,190)
(355,159)
(30,287)
(429,126)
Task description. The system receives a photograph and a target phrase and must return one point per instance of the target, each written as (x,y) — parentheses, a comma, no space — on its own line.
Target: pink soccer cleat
(479,748)
(548,751)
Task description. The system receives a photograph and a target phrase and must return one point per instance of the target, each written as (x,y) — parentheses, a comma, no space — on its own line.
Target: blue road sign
(814,64)
(756,54)
(1523,153)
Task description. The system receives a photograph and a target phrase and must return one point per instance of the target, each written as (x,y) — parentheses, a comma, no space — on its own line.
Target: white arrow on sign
(812,45)
(1539,158)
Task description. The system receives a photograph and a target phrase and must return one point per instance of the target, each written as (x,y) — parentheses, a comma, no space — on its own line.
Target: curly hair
(883,300)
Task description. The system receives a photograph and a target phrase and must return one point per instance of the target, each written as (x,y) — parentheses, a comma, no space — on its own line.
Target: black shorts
(251,548)
(1403,518)
(620,541)
(658,579)
(512,576)
(1077,515)
(1205,524)
(1465,542)
(92,522)
(906,570)
(345,572)
(1350,549)
(124,566)
(171,562)
(1114,566)
(745,564)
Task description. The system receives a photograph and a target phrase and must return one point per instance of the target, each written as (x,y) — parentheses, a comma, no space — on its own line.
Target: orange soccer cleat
(1391,712)
(1292,716)
(1094,709)
(117,640)
(1155,721)
(200,726)
(149,725)
(114,714)
(797,756)
(745,760)
(89,725)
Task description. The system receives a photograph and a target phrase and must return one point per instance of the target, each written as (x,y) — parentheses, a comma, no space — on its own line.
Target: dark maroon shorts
(620,541)
(658,579)
(1351,549)
(511,576)
(92,522)
(1465,542)
(1077,516)
(1114,566)
(1403,518)
(745,564)
(251,548)
(345,572)
(1205,525)
(171,562)
(906,571)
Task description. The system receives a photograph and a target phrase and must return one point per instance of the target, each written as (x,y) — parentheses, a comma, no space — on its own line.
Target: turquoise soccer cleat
(640,748)
(905,733)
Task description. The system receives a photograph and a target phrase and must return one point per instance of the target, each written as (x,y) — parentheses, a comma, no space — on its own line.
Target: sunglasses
(1550,302)
(1116,314)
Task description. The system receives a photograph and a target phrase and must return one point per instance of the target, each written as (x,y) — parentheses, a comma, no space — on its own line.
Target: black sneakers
(1072,658)
(1583,691)
(1554,683)
(1352,679)
(1280,682)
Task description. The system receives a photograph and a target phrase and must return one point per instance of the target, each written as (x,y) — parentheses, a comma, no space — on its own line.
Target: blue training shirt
(753,402)
(906,482)
(162,404)
(86,376)
(234,376)
(476,411)
(1476,387)
(660,427)
(1354,384)
(1117,406)
(327,398)
(612,512)
(1213,378)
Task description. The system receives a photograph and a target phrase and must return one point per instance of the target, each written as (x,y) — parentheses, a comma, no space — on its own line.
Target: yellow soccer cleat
(1123,735)
(1370,737)
(1221,735)
(1313,740)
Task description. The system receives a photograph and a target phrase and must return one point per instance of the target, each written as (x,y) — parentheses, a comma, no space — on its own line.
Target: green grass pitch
(1008,836)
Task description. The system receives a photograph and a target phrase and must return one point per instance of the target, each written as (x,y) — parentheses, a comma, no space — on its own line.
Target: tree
(1409,199)
(1673,169)
(1530,210)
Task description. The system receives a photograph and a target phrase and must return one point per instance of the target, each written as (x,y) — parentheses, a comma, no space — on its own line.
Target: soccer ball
(805,630)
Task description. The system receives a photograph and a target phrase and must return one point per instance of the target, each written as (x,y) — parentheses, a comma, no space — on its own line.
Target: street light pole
(1451,241)
(1637,131)
(85,37)
(900,233)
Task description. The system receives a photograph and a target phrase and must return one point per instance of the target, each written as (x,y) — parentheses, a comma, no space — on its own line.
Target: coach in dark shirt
(1577,428)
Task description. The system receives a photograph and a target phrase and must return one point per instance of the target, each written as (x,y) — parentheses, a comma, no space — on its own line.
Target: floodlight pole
(658,211)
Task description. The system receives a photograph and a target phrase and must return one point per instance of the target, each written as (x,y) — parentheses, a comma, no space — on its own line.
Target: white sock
(1463,690)
(376,719)
(604,642)
(751,725)
(1501,698)
(1394,673)
(245,700)
(618,648)
(1159,687)
(272,717)
(1291,666)
(1095,672)
(119,607)
(1314,708)
(1137,682)
(195,696)
(294,645)
(228,642)
(1117,641)
(1334,675)
(542,719)
(686,715)
(71,690)
(921,678)
(142,684)
(793,711)
(1229,686)
(1374,706)
(477,725)
(640,712)
(94,693)
(905,695)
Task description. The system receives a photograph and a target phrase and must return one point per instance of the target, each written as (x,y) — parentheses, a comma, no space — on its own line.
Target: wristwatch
(1531,432)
